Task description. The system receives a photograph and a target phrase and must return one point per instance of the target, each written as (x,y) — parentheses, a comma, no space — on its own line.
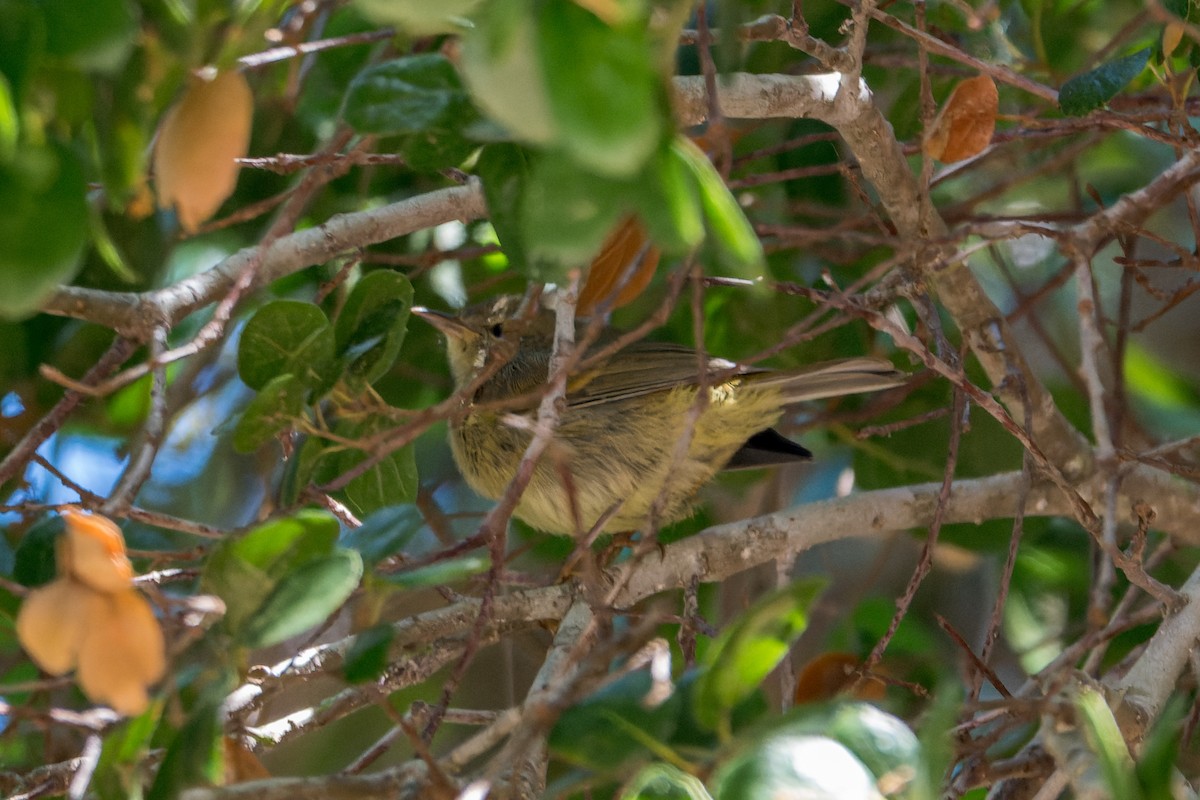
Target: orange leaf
(93,552)
(200,138)
(621,271)
(965,125)
(122,652)
(241,764)
(830,674)
(52,623)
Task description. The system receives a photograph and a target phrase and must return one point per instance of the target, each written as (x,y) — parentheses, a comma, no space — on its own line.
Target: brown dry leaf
(965,125)
(830,674)
(200,138)
(621,271)
(93,552)
(122,652)
(52,623)
(1171,37)
(241,764)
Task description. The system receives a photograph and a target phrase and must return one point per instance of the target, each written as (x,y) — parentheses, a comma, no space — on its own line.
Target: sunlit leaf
(664,782)
(195,167)
(731,231)
(440,573)
(749,648)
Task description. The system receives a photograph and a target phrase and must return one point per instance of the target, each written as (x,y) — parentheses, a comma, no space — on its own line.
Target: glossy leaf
(749,648)
(287,337)
(505,170)
(566,215)
(792,765)
(664,782)
(1094,88)
(274,409)
(304,598)
(371,326)
(420,17)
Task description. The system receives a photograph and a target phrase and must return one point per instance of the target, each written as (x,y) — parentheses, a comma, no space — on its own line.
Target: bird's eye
(497,330)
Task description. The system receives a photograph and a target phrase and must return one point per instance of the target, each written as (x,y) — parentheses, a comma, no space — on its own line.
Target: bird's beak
(450,325)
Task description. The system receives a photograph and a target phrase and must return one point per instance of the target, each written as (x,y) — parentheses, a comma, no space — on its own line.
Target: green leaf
(391,481)
(618,723)
(749,648)
(604,92)
(441,573)
(43,227)
(505,170)
(731,231)
(101,39)
(791,765)
(406,95)
(372,324)
(664,782)
(1103,734)
(384,533)
(34,561)
(287,337)
(305,598)
(274,409)
(194,756)
(22,42)
(669,205)
(367,656)
(501,66)
(566,215)
(1160,750)
(420,17)
(1094,88)
(243,571)
(10,125)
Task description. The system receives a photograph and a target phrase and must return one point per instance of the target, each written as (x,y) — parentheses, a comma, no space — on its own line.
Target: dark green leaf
(274,409)
(1160,749)
(367,656)
(287,337)
(603,88)
(193,757)
(622,721)
(305,598)
(505,171)
(43,227)
(33,562)
(100,39)
(441,573)
(749,648)
(390,481)
(384,533)
(22,42)
(1094,88)
(406,95)
(371,326)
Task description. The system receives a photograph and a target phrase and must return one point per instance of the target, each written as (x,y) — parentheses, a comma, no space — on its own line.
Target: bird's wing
(643,368)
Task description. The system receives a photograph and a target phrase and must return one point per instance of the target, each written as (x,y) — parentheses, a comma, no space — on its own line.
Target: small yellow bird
(616,449)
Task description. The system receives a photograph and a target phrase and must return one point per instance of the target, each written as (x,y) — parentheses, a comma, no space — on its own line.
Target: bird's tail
(833,379)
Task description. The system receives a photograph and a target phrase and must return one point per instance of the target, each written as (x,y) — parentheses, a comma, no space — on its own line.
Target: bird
(618,460)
